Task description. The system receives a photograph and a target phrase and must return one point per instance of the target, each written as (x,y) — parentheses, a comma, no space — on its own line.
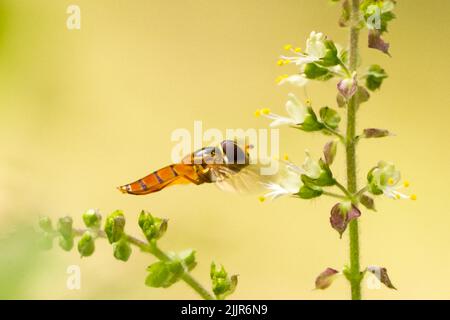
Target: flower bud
(222,285)
(348,87)
(367,202)
(329,151)
(152,227)
(65,227)
(341,215)
(122,250)
(45,241)
(382,276)
(163,274)
(375,133)
(65,243)
(92,218)
(114,226)
(45,223)
(188,259)
(86,245)
(326,278)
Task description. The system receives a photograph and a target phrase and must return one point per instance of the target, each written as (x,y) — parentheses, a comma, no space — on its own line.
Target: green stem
(161,255)
(354,275)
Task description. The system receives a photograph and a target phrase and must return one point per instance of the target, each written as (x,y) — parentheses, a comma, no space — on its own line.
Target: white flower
(385,179)
(295,79)
(297,113)
(311,167)
(315,46)
(288,184)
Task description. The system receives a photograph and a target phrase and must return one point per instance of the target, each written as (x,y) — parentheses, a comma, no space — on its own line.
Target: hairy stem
(354,275)
(153,249)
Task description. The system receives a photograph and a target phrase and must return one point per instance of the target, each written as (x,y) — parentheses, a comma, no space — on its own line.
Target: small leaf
(329,151)
(114,226)
(92,218)
(86,245)
(375,77)
(122,250)
(330,117)
(342,214)
(367,202)
(382,275)
(326,278)
(375,133)
(313,71)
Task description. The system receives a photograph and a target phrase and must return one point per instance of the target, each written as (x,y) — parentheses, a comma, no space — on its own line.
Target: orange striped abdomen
(162,178)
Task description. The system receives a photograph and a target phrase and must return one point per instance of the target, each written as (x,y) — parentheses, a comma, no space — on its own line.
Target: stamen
(287,47)
(257,113)
(406,183)
(308,102)
(281,78)
(298,50)
(390,181)
(286,157)
(262,199)
(413,197)
(281,62)
(397,196)
(265,111)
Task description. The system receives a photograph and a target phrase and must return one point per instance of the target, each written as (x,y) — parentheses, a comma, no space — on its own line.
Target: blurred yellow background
(83,111)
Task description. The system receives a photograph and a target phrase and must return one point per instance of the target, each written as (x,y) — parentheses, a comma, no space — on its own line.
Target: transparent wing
(248,180)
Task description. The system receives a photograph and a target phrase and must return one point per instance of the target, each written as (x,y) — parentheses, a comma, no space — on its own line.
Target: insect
(226,165)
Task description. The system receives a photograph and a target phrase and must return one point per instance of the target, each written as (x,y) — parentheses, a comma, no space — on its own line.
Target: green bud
(65,227)
(330,117)
(86,245)
(122,250)
(65,243)
(45,223)
(222,284)
(163,274)
(92,218)
(188,258)
(114,226)
(152,227)
(45,241)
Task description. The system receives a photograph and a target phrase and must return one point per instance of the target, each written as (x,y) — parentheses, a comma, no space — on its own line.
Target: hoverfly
(226,165)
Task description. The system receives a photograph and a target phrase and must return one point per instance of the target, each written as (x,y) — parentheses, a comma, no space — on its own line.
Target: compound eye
(233,152)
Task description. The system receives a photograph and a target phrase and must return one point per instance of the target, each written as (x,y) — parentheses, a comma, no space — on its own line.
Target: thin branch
(154,250)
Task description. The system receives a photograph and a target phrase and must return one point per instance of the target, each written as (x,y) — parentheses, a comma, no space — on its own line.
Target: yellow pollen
(406,184)
(262,199)
(397,196)
(308,102)
(257,113)
(390,181)
(286,157)
(287,47)
(280,62)
(298,50)
(413,197)
(265,111)
(281,78)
